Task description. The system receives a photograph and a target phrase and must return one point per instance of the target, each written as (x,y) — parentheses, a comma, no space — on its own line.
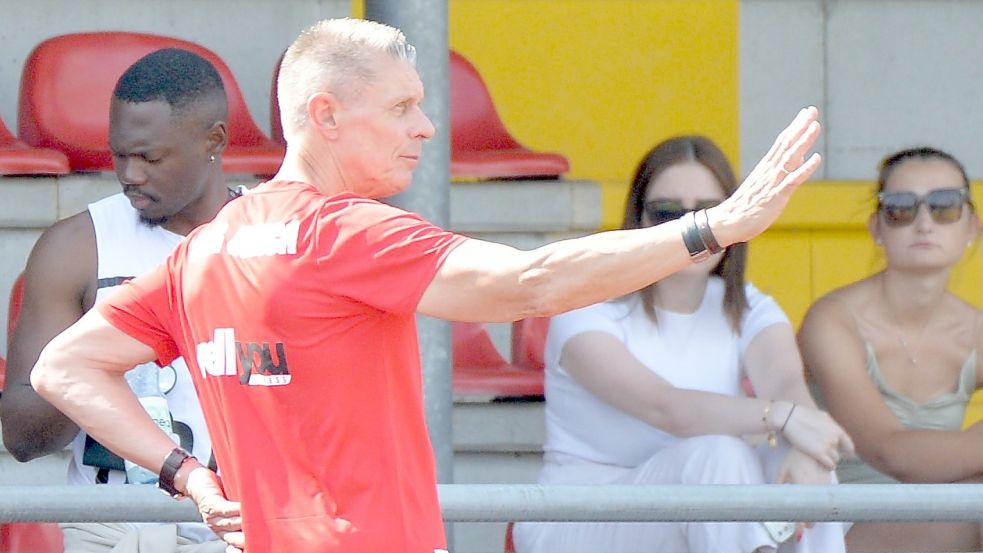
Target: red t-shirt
(296,314)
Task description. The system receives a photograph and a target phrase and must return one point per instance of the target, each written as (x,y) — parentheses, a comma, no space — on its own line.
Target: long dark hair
(702,150)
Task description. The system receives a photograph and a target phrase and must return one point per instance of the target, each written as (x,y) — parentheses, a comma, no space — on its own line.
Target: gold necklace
(899,334)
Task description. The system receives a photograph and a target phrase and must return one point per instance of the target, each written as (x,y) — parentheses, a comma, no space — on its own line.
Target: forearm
(687,413)
(574,273)
(97,400)
(32,427)
(927,456)
(792,388)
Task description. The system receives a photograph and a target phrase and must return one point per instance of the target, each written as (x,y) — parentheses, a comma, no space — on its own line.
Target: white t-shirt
(697,351)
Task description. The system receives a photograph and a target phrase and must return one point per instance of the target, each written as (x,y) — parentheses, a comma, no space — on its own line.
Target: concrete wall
(885,75)
(248,35)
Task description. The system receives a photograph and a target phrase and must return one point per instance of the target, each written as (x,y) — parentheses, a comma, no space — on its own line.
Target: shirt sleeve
(763,311)
(602,317)
(140,308)
(381,255)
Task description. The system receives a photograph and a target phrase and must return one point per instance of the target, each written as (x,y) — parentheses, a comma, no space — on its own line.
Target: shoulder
(65,256)
(606,316)
(835,319)
(840,305)
(70,238)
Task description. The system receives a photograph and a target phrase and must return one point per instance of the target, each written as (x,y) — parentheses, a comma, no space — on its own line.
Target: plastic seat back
(14,307)
(17,158)
(67,85)
(480,370)
(481,146)
(473,347)
(34,537)
(529,343)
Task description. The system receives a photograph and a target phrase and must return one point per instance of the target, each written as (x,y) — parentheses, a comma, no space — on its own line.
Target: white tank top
(125,248)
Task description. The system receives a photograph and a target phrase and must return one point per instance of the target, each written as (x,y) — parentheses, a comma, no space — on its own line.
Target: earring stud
(211,158)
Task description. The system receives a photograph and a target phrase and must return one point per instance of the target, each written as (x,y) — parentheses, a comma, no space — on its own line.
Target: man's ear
(217,138)
(321,110)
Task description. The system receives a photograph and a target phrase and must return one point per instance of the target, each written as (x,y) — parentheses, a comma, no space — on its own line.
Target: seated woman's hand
(816,434)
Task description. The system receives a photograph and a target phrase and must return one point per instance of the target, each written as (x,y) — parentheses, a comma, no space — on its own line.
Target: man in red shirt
(295,309)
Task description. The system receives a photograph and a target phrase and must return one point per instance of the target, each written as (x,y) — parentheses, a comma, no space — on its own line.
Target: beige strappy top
(943,412)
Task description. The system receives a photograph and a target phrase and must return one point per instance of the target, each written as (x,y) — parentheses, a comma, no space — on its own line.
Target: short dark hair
(172,75)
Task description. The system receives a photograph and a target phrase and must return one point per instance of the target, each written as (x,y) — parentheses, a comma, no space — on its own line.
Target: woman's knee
(721,460)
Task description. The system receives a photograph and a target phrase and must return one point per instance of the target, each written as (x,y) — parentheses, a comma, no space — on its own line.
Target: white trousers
(699,460)
(117,538)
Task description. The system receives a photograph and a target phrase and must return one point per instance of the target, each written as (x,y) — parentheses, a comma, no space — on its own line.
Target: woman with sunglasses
(895,354)
(647,389)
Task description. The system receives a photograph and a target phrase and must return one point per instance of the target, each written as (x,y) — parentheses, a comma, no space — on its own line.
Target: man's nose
(129,171)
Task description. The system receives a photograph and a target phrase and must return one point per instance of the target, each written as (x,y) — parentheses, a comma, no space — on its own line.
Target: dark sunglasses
(662,210)
(901,208)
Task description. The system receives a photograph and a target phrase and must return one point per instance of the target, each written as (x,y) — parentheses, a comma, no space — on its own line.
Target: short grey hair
(336,56)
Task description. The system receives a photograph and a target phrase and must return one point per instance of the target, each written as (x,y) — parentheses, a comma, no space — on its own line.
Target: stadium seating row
(67,83)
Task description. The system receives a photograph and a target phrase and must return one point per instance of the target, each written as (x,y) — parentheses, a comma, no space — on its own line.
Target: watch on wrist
(172,463)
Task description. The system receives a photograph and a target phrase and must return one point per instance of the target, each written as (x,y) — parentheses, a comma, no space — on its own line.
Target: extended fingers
(221,514)
(793,157)
(236,541)
(791,133)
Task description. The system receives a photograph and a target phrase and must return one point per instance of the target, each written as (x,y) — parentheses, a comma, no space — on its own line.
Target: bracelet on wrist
(706,234)
(788,417)
(695,245)
(772,434)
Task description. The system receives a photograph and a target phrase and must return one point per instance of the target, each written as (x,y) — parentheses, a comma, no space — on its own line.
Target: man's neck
(201,211)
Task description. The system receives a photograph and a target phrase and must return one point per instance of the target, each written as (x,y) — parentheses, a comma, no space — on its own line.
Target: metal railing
(491,503)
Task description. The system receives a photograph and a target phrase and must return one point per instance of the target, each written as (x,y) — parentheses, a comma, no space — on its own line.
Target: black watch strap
(172,463)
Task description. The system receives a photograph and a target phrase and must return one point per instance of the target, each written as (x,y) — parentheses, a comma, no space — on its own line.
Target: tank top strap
(967,376)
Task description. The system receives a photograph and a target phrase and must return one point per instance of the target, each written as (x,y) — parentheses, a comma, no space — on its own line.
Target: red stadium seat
(13,308)
(31,538)
(66,88)
(480,370)
(13,311)
(481,147)
(529,343)
(17,158)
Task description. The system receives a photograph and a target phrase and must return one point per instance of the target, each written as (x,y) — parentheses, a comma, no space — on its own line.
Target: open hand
(817,435)
(760,199)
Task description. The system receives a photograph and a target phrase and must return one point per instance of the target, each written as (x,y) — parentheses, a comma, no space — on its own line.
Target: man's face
(162,160)
(381,130)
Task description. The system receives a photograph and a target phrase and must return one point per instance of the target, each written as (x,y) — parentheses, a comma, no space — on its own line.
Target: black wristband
(703,224)
(172,463)
(691,238)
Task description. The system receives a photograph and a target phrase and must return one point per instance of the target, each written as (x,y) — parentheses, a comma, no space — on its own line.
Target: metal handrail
(527,502)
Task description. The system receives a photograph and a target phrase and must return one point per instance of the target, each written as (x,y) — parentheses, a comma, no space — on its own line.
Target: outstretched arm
(480,281)
(60,274)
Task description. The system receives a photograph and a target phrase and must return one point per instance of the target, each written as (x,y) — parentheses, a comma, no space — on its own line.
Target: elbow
(42,377)
(891,465)
(541,296)
(20,449)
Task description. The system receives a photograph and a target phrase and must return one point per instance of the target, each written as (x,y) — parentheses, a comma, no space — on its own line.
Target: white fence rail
(492,503)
